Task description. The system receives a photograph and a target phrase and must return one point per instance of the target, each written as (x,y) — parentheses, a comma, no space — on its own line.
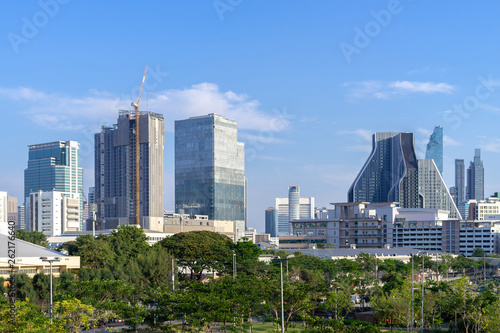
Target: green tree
(24,288)
(200,250)
(28,319)
(74,315)
(478,252)
(35,237)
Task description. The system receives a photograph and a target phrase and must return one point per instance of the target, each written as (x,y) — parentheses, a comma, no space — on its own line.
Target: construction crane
(137,154)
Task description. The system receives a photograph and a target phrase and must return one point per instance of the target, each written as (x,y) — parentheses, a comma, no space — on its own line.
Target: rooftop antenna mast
(137,154)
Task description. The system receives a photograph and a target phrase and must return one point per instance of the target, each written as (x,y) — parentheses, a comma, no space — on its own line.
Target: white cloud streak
(381,90)
(59,112)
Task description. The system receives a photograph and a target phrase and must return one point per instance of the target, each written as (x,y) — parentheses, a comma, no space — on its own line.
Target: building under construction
(115,171)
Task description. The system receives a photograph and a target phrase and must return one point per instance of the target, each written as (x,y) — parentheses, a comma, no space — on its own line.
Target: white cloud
(490,144)
(382,90)
(59,112)
(423,87)
(360,133)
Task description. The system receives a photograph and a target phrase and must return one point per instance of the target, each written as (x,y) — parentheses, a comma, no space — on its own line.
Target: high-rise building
(115,177)
(390,174)
(434,149)
(475,178)
(21,218)
(209,168)
(54,166)
(271,219)
(292,208)
(293,203)
(460,181)
(433,191)
(53,212)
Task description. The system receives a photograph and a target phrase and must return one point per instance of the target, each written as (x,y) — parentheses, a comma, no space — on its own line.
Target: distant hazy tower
(209,168)
(460,181)
(475,178)
(435,148)
(271,221)
(115,185)
(54,166)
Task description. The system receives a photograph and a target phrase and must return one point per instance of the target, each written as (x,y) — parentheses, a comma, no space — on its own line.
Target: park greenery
(185,283)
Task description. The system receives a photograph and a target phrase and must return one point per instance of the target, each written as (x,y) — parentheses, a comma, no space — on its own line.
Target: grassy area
(271,327)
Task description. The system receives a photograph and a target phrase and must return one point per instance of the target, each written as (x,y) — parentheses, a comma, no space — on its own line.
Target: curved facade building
(391,172)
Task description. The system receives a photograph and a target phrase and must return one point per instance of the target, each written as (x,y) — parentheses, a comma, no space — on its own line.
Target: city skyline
(308,85)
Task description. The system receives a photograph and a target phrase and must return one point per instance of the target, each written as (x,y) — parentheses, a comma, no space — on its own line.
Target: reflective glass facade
(475,178)
(434,149)
(390,174)
(460,181)
(271,221)
(54,166)
(209,168)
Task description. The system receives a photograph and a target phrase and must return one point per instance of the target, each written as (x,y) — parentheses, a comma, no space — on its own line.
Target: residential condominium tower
(115,162)
(54,166)
(460,181)
(392,173)
(434,149)
(209,168)
(475,178)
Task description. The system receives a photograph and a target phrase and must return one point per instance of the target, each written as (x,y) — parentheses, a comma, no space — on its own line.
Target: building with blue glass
(271,221)
(392,173)
(54,166)
(460,181)
(475,178)
(434,149)
(209,168)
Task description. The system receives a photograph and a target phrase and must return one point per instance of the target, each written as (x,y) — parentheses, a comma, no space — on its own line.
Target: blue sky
(308,82)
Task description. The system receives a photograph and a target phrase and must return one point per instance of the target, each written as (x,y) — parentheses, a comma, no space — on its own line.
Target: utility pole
(412,318)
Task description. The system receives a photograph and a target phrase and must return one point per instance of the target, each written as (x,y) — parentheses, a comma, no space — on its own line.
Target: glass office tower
(475,178)
(435,148)
(209,168)
(54,166)
(391,172)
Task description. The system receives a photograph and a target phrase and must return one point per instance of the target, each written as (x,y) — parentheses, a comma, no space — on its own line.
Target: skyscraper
(433,191)
(475,177)
(209,168)
(54,166)
(435,148)
(271,219)
(115,162)
(391,172)
(293,203)
(292,208)
(460,181)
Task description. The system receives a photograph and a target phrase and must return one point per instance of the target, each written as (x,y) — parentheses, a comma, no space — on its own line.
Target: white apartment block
(306,211)
(53,213)
(480,234)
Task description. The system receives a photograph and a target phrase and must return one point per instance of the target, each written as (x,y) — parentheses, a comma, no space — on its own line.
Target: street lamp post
(234,265)
(50,260)
(422,309)
(282,306)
